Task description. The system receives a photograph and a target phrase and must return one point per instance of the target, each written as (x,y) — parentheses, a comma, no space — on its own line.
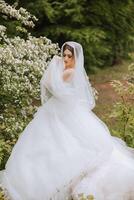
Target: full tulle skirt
(66,151)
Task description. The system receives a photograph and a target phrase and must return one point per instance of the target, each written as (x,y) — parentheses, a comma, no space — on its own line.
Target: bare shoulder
(68,74)
(69,70)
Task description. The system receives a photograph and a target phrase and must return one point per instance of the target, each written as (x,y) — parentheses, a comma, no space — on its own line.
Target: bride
(66,151)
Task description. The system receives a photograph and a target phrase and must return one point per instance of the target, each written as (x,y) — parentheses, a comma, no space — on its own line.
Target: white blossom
(22,64)
(22,14)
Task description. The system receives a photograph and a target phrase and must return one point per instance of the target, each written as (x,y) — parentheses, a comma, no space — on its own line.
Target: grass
(109,73)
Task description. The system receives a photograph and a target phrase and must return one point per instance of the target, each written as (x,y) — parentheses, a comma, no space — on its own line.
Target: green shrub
(123,110)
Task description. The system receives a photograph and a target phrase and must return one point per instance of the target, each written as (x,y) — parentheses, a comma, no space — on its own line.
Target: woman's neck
(68,68)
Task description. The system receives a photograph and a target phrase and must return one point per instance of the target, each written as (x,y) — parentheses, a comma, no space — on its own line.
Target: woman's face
(68,58)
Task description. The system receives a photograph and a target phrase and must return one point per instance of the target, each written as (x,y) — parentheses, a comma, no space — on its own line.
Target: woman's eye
(69,56)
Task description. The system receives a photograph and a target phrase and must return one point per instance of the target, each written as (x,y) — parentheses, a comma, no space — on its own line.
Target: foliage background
(104,28)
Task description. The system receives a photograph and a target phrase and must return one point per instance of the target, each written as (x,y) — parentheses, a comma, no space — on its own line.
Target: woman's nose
(65,58)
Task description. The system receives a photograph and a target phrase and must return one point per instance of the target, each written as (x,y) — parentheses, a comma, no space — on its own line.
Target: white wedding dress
(67,150)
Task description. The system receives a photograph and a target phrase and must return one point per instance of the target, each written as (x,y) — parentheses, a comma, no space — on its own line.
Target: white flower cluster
(21,15)
(22,63)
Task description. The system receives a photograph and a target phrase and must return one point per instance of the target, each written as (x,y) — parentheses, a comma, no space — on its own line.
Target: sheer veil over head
(52,81)
(81,81)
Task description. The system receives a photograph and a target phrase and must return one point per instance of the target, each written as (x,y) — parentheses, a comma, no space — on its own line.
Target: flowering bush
(21,15)
(21,66)
(22,62)
(124,109)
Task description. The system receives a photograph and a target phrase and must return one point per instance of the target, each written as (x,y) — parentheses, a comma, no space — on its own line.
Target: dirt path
(106,99)
(106,92)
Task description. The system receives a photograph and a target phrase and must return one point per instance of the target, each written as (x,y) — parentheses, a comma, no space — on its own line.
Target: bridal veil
(52,82)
